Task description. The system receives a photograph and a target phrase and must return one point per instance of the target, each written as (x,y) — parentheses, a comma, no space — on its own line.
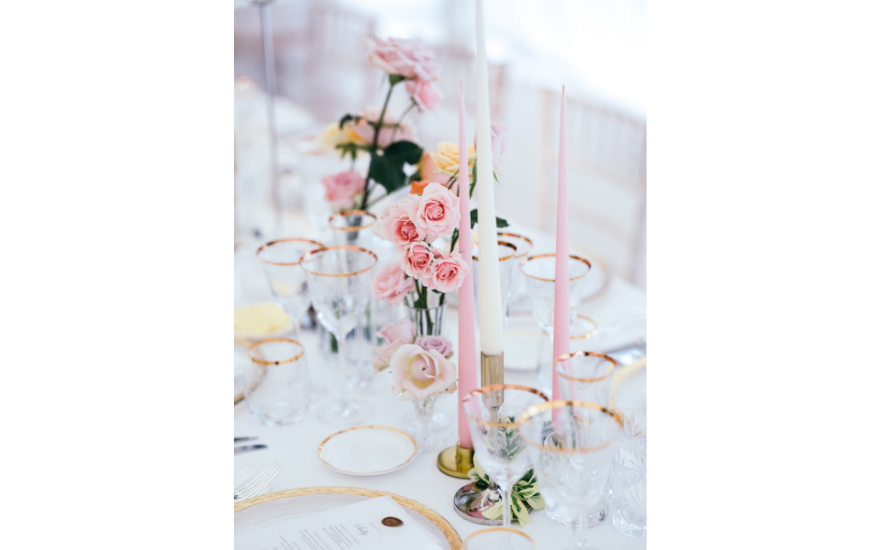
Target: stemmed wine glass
(339,286)
(491,413)
(574,468)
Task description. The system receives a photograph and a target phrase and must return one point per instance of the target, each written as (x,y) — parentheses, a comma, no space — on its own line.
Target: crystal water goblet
(506,257)
(629,477)
(491,414)
(354,228)
(586,376)
(523,246)
(498,538)
(574,470)
(278,393)
(339,286)
(540,272)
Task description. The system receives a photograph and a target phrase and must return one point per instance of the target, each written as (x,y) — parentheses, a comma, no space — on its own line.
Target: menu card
(373,524)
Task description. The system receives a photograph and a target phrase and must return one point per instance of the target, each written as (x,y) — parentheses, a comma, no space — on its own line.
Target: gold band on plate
(535,409)
(498,387)
(502,529)
(501,243)
(445,527)
(345,247)
(407,461)
(266,341)
(553,280)
(353,213)
(574,354)
(279,241)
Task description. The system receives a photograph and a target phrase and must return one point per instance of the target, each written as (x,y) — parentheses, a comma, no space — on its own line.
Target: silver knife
(243,439)
(246,448)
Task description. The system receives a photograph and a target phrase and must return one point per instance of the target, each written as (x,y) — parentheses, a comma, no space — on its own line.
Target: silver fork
(248,488)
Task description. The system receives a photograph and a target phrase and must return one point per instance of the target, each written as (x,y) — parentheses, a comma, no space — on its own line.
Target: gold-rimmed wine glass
(524,247)
(585,376)
(540,272)
(491,413)
(355,228)
(339,287)
(506,258)
(573,468)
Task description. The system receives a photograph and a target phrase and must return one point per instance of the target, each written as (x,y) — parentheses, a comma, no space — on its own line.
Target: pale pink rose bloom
(448,272)
(441,344)
(340,189)
(366,132)
(416,261)
(391,284)
(404,57)
(395,225)
(499,144)
(424,94)
(436,211)
(417,373)
(395,335)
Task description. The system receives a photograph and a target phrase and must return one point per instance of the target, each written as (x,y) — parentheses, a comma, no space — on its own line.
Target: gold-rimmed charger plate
(263,511)
(367,450)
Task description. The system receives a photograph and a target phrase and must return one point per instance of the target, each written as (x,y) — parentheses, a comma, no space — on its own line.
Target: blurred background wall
(595,47)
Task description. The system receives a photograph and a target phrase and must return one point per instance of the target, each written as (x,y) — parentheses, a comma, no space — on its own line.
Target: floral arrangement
(388,140)
(420,365)
(524,495)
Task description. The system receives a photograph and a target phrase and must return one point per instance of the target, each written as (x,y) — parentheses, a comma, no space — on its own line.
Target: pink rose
(417,373)
(448,272)
(366,132)
(439,343)
(391,284)
(395,335)
(424,94)
(404,57)
(435,212)
(416,261)
(499,144)
(341,188)
(396,226)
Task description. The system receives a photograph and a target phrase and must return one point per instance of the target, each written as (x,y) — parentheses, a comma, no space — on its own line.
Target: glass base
(345,412)
(593,520)
(629,529)
(278,415)
(439,421)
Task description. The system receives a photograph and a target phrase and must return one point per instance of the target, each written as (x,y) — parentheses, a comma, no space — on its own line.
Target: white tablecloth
(295,446)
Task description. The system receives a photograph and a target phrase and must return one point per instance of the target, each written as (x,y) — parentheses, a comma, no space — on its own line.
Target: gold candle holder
(469,503)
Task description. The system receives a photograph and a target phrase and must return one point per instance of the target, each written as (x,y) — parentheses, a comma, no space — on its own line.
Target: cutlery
(246,448)
(248,488)
(242,439)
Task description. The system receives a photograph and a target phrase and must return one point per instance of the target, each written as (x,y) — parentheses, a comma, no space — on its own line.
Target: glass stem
(580,535)
(506,505)
(340,375)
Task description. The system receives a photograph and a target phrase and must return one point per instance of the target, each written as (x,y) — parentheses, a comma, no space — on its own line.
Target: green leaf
(499,222)
(387,169)
(345,119)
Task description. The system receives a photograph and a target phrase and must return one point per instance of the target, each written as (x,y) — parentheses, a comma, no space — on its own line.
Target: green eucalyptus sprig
(524,495)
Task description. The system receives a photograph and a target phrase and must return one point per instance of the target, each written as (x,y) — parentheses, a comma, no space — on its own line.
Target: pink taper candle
(467,346)
(561,341)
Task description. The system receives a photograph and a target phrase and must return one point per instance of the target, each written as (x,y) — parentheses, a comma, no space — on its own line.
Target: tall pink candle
(561,341)
(467,346)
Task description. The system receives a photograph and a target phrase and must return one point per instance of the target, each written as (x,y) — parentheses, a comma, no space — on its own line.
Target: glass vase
(423,426)
(428,320)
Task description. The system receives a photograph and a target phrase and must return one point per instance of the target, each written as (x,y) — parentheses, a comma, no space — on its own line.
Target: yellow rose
(333,136)
(446,158)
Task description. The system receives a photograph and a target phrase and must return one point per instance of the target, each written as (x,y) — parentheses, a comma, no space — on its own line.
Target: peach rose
(446,158)
(439,343)
(435,212)
(417,373)
(418,187)
(424,94)
(395,335)
(341,189)
(448,272)
(404,57)
(416,261)
(396,226)
(391,284)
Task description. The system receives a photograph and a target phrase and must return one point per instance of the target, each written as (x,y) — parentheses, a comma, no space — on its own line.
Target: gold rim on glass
(515,236)
(574,354)
(329,248)
(407,461)
(270,243)
(353,213)
(501,243)
(497,387)
(541,407)
(553,280)
(266,341)
(589,333)
(501,529)
(442,524)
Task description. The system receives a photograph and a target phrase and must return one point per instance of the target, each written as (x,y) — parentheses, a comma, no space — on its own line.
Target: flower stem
(376,129)
(397,124)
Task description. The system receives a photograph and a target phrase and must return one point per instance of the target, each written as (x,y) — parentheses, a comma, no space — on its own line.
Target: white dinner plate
(367,450)
(267,511)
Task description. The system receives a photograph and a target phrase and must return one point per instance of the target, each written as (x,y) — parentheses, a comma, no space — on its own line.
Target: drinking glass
(540,272)
(573,471)
(354,228)
(491,413)
(585,376)
(506,257)
(279,391)
(339,286)
(629,476)
(498,538)
(523,246)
